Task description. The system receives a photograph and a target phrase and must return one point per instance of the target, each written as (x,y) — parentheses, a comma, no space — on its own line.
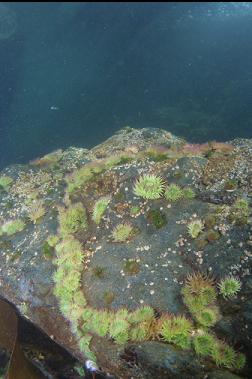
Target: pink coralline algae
(203,148)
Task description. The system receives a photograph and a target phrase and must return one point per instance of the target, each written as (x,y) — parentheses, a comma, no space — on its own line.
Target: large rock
(150,268)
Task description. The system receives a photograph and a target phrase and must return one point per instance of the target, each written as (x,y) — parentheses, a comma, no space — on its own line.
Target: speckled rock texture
(219,174)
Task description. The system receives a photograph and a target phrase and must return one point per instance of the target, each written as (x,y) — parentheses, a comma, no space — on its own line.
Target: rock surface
(151,267)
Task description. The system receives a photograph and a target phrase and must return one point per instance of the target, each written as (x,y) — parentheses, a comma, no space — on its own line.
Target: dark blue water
(74,73)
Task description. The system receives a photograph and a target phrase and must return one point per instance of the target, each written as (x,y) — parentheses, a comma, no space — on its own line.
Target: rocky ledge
(135,254)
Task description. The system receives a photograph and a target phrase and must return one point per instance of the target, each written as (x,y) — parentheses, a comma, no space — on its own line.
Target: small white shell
(91,366)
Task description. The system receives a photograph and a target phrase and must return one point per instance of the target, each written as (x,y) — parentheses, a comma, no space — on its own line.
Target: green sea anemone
(98,322)
(122,232)
(138,333)
(199,283)
(70,310)
(203,343)
(188,193)
(36,210)
(223,355)
(173,193)
(176,329)
(145,313)
(198,292)
(84,343)
(240,361)
(194,228)
(119,329)
(229,286)
(12,227)
(5,182)
(122,313)
(69,254)
(79,299)
(207,317)
(67,279)
(73,219)
(71,280)
(149,186)
(52,240)
(99,209)
(86,315)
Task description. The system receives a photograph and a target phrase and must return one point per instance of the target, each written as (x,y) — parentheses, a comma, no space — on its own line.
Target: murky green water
(74,73)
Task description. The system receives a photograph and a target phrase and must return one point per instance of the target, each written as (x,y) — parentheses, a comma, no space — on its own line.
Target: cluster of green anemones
(206,345)
(67,279)
(174,193)
(124,326)
(86,321)
(151,186)
(199,294)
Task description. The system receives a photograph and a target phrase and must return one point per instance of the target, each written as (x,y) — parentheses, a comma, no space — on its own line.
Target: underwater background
(75,73)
